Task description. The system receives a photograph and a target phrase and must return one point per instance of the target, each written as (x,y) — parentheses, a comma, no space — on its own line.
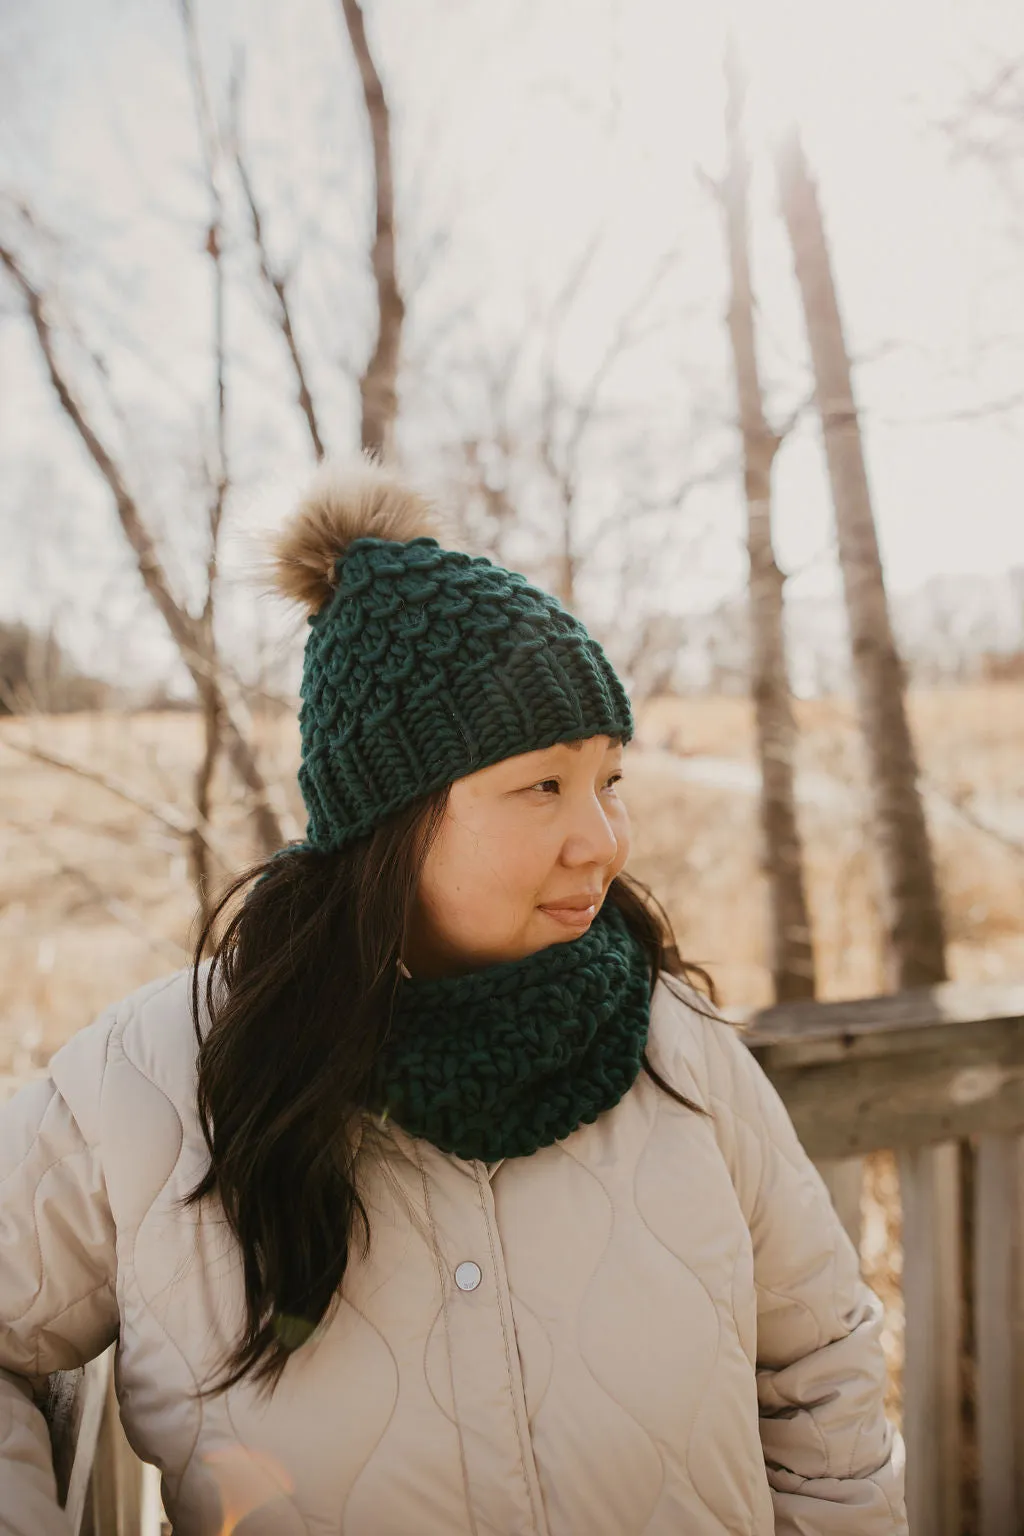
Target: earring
(403,969)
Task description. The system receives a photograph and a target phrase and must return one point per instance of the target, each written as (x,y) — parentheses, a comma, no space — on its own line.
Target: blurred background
(500,243)
(709,319)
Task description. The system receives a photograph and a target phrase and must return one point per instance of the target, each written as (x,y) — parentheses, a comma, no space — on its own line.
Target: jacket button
(468,1276)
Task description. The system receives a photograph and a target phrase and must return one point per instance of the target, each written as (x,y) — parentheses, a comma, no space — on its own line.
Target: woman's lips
(576,916)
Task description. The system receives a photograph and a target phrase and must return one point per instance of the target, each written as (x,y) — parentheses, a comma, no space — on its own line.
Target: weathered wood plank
(999,1331)
(929,1194)
(114,1503)
(152,1521)
(845,1023)
(848,1108)
(907,1070)
(844,1180)
(75,1408)
(62,1403)
(828,1049)
(99,1477)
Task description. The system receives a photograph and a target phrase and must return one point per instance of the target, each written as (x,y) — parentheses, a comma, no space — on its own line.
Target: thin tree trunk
(566,583)
(199,853)
(913,914)
(220,478)
(792,952)
(378,387)
(915,953)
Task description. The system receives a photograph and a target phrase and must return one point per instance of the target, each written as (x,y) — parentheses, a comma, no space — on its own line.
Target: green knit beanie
(422,664)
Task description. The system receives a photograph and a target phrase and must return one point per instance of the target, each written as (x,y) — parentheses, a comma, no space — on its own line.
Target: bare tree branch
(554,321)
(174,615)
(560,453)
(378,387)
(673,501)
(180,623)
(961,806)
(276,284)
(238,722)
(790,422)
(118,910)
(168,816)
(624,336)
(1004,406)
(209,141)
(997,105)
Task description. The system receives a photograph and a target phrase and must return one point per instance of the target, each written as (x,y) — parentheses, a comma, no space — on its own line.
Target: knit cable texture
(428,664)
(503,1060)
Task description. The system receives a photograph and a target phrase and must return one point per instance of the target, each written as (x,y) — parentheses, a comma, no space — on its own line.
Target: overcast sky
(524,129)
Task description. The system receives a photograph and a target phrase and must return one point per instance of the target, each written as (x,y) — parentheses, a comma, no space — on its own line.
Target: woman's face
(523,859)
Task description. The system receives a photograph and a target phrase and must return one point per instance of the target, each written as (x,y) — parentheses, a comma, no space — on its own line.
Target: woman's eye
(554,786)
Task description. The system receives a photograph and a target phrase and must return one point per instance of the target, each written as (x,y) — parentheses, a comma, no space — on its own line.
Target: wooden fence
(923,1073)
(100,1482)
(920,1073)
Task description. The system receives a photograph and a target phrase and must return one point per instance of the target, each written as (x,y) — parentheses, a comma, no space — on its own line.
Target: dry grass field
(697,845)
(95,897)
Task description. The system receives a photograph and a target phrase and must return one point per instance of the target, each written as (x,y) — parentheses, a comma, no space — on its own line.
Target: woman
(469,1216)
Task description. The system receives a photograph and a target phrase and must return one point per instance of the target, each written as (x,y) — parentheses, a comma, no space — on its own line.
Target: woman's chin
(550,933)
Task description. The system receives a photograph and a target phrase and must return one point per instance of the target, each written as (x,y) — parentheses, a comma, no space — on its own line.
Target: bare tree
(480,464)
(792,951)
(915,944)
(218,475)
(227,725)
(988,126)
(913,913)
(378,386)
(186,631)
(544,455)
(568,417)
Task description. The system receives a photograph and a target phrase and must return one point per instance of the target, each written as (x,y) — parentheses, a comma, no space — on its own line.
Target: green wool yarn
(516,1056)
(427,664)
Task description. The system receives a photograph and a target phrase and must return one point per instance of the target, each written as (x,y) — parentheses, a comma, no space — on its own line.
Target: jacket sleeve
(57,1279)
(835,1464)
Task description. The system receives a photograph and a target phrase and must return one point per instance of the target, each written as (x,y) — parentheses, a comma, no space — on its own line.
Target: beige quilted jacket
(655,1326)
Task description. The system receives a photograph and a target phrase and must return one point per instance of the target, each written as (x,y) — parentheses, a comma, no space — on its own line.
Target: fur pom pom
(342,505)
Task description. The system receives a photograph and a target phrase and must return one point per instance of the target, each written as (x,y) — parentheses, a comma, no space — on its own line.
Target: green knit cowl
(513,1057)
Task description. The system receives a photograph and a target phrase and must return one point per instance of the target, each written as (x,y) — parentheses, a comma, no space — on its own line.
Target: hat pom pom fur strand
(341,506)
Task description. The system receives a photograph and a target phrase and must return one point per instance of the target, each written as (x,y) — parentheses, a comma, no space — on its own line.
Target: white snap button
(468,1276)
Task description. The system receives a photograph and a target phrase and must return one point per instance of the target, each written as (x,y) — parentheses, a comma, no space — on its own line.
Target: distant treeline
(35,674)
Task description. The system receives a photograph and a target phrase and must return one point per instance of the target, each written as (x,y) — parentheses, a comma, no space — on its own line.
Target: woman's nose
(592,838)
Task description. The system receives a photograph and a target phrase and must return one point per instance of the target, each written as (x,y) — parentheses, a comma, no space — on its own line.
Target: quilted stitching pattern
(646,1258)
(52,1215)
(642,1334)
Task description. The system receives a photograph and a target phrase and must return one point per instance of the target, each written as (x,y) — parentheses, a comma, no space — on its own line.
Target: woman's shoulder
(140,1051)
(706,1058)
(697,1050)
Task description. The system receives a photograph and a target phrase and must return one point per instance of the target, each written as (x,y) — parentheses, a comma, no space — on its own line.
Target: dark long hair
(298,997)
